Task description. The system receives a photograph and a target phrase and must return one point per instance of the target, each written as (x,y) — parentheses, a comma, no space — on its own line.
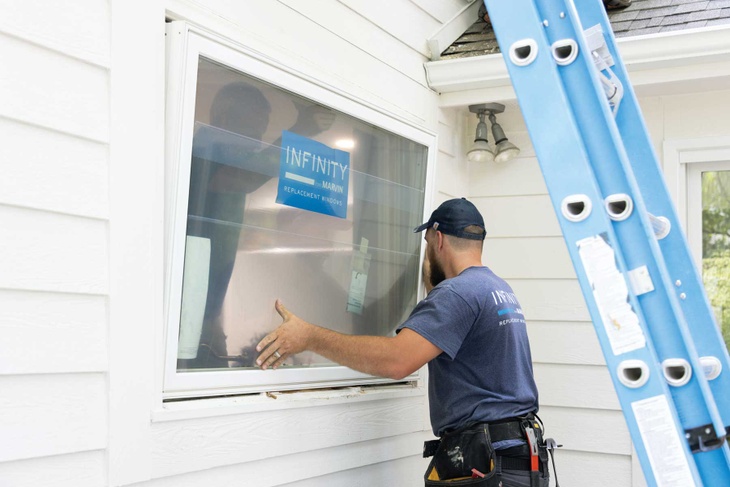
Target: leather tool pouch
(459,454)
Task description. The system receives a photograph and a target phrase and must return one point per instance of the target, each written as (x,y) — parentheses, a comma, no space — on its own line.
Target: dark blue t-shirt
(485,372)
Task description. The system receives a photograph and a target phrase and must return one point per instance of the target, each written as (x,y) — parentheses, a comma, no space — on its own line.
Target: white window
(708,230)
(280,188)
(698,174)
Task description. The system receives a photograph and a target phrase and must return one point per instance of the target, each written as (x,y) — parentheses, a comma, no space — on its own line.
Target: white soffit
(660,61)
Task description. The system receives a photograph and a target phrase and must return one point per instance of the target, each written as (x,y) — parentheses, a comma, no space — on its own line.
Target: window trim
(680,158)
(694,203)
(184,46)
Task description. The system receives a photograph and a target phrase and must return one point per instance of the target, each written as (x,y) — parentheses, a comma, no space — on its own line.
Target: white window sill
(271,401)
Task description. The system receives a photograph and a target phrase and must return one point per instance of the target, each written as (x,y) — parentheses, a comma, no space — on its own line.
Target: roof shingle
(640,18)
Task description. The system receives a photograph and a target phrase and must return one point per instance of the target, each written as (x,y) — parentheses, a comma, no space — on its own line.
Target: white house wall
(525,245)
(54,121)
(81,207)
(81,253)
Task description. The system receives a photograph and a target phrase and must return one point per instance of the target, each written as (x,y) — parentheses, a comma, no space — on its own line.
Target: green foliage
(715,232)
(716,245)
(716,275)
(715,213)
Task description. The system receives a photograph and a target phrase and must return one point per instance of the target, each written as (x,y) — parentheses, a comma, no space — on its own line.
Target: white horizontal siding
(348,464)
(412,26)
(348,25)
(49,89)
(450,132)
(302,45)
(586,469)
(570,343)
(46,24)
(551,299)
(451,173)
(50,252)
(85,469)
(518,177)
(528,258)
(701,114)
(228,440)
(575,386)
(52,171)
(652,109)
(43,415)
(54,117)
(519,216)
(52,333)
(404,472)
(587,430)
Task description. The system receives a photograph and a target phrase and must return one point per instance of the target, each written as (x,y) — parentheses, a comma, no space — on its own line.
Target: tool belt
(462,457)
(467,456)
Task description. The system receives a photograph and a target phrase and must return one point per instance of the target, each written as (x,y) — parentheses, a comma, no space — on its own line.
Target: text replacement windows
(281,195)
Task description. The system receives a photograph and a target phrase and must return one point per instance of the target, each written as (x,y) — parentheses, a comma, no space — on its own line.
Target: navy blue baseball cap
(452,217)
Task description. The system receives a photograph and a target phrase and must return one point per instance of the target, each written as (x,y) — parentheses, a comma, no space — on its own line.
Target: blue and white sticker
(313,176)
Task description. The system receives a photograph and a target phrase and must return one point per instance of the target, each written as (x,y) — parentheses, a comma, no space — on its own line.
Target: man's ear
(440,239)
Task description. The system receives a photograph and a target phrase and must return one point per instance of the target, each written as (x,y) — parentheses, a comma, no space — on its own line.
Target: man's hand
(290,338)
(393,357)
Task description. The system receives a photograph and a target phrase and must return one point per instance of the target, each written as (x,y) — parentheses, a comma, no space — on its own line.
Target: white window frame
(184,46)
(684,160)
(694,203)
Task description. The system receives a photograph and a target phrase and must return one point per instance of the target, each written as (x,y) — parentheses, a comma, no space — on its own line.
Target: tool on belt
(467,455)
(534,456)
(539,449)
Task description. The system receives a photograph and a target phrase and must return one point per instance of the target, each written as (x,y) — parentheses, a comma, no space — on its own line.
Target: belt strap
(505,430)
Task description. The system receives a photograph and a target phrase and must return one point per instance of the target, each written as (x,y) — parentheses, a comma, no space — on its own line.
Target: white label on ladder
(611,295)
(662,442)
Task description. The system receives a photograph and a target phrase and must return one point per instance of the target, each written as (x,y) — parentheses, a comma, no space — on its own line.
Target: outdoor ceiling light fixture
(481,151)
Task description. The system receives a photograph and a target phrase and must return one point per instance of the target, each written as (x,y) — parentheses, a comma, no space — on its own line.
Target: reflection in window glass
(716,245)
(357,274)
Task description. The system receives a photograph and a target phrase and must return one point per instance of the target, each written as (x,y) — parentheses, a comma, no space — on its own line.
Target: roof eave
(654,60)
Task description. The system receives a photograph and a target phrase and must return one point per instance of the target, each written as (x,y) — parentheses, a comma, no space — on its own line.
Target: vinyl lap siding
(54,117)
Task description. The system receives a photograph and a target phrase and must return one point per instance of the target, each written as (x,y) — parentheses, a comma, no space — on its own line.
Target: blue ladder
(634,268)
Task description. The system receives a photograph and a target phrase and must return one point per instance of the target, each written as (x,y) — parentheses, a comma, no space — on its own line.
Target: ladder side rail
(684,274)
(606,151)
(540,111)
(667,326)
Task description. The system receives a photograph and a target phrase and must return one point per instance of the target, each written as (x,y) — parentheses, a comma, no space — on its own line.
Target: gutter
(676,52)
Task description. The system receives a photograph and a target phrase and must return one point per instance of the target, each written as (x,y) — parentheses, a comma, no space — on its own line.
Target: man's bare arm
(393,357)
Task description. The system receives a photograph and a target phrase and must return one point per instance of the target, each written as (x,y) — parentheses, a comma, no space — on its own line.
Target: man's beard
(437,271)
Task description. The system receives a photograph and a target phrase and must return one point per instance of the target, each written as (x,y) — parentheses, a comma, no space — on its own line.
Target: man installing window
(471,332)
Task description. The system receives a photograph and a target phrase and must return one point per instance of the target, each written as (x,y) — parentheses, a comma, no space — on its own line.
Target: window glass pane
(356,274)
(716,245)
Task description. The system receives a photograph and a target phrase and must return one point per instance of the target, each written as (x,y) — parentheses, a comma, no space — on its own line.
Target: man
(471,331)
